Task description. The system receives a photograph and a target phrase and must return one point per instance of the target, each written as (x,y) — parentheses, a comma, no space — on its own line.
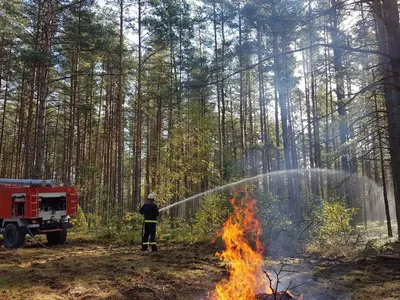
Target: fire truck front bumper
(67,225)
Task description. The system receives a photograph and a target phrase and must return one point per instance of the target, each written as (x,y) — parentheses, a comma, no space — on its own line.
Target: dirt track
(93,270)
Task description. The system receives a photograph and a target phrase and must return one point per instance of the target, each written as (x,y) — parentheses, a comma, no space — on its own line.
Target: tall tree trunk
(148,149)
(327,110)
(3,117)
(313,129)
(387,17)
(261,95)
(241,96)
(120,103)
(339,78)
(21,117)
(223,91)
(382,160)
(314,185)
(43,77)
(251,124)
(277,96)
(340,95)
(283,96)
(29,132)
(138,152)
(218,86)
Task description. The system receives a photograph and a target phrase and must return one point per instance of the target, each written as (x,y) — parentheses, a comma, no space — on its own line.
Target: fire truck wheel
(57,238)
(13,236)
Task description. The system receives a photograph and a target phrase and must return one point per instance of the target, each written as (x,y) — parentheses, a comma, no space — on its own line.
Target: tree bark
(218,87)
(339,78)
(43,79)
(262,105)
(242,103)
(388,32)
(120,116)
(138,152)
(382,161)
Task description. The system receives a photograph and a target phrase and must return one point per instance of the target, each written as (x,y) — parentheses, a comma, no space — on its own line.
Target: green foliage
(34,56)
(133,218)
(119,220)
(213,212)
(199,129)
(279,235)
(120,227)
(125,234)
(183,231)
(94,220)
(272,214)
(80,221)
(334,219)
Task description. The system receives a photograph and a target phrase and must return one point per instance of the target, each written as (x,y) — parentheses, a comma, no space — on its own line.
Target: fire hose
(33,236)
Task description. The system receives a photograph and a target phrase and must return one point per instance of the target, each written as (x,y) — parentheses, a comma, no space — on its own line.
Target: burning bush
(243,255)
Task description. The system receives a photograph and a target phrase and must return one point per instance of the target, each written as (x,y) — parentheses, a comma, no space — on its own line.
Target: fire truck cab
(35,207)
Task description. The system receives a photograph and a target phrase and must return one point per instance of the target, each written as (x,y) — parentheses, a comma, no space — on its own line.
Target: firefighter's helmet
(151,196)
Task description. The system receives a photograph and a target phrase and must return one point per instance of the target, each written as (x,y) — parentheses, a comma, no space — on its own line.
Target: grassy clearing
(89,266)
(87,269)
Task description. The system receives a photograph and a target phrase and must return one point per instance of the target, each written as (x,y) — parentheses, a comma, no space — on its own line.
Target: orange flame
(243,263)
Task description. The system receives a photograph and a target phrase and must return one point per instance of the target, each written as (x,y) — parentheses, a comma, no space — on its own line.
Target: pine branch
(348,48)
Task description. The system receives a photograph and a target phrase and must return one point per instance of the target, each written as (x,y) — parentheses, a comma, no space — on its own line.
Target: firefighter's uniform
(150,212)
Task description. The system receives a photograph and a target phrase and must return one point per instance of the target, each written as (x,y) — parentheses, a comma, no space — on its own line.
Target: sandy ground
(94,270)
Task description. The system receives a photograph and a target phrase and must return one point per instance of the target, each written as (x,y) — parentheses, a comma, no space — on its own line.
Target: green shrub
(133,219)
(79,222)
(334,222)
(279,235)
(182,231)
(272,214)
(94,220)
(213,212)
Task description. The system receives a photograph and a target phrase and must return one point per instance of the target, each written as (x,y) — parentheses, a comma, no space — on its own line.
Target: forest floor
(87,269)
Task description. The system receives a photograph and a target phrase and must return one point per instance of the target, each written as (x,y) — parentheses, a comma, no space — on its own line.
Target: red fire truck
(35,207)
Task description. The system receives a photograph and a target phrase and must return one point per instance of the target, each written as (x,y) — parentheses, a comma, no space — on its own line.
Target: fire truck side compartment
(71,197)
(5,203)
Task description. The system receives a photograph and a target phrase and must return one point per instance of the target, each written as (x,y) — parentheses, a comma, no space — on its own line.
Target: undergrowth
(326,228)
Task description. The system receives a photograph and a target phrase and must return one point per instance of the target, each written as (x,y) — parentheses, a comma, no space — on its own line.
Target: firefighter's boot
(154,248)
(144,247)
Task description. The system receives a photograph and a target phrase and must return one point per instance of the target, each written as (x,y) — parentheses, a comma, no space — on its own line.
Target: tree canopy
(125,97)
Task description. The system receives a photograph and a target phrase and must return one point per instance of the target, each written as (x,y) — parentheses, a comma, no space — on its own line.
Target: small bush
(272,215)
(134,219)
(334,222)
(213,212)
(278,234)
(93,220)
(183,232)
(80,221)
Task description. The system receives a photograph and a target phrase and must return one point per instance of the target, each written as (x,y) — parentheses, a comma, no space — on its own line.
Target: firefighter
(150,212)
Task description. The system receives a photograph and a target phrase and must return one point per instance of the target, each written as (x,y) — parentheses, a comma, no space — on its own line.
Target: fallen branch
(389,257)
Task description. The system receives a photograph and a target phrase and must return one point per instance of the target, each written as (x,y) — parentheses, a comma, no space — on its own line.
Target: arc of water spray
(211,191)
(283,172)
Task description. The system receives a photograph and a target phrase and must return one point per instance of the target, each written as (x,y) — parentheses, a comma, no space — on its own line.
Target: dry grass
(89,269)
(332,250)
